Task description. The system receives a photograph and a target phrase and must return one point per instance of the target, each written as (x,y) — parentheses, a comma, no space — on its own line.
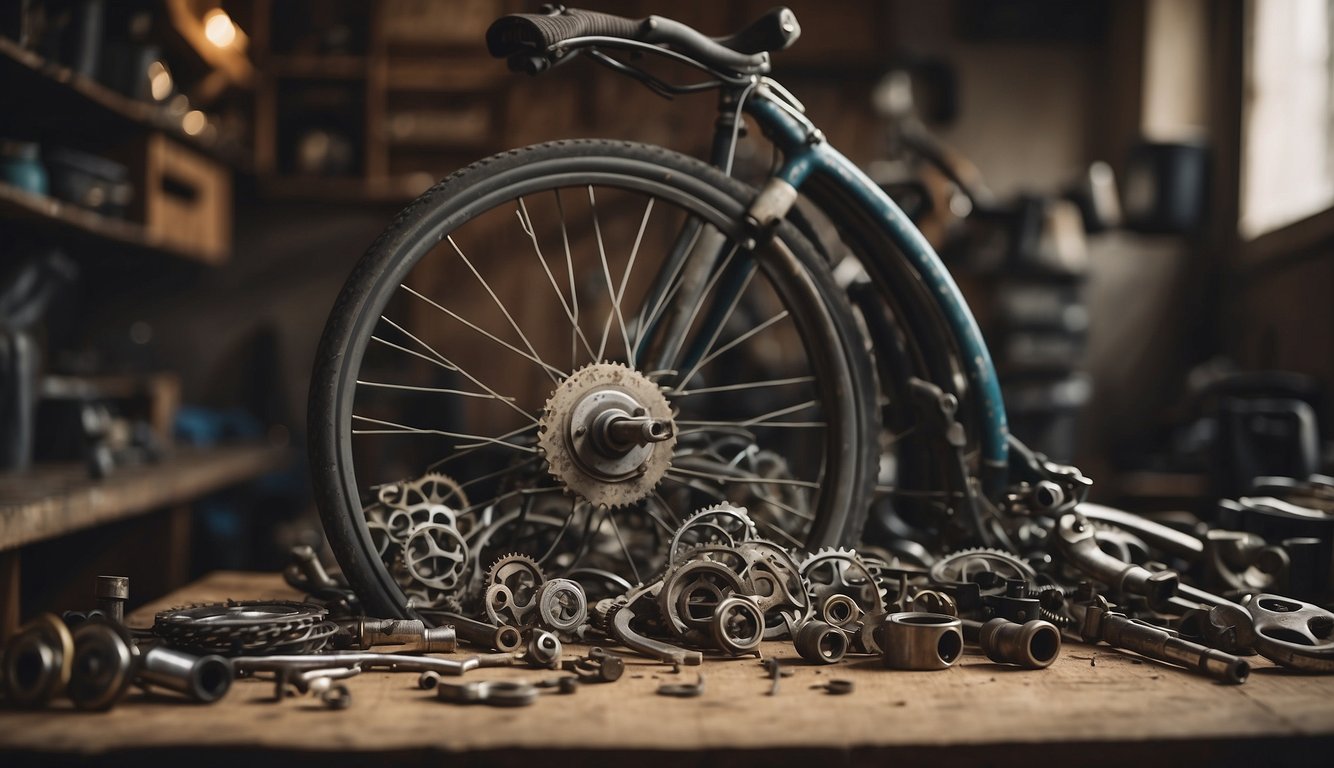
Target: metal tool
(1078,541)
(1293,633)
(1100,623)
(921,641)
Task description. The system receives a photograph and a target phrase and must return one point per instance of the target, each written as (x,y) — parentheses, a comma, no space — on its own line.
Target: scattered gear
(724,524)
(840,571)
(964,566)
(608,434)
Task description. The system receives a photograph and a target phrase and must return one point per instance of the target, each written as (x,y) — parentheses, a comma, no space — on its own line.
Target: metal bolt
(111,593)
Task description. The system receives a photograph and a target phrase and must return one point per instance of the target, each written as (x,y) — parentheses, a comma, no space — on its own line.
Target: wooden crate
(184,199)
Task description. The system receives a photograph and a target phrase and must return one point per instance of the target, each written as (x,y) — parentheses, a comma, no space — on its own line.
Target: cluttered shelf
(1094,706)
(67,219)
(29,79)
(50,501)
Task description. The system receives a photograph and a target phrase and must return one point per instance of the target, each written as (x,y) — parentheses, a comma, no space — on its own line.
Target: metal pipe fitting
(1032,645)
(737,626)
(38,662)
(921,641)
(1100,623)
(407,634)
(502,638)
(111,592)
(201,678)
(821,643)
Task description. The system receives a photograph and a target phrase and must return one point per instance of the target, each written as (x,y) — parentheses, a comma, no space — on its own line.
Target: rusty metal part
(607,434)
(921,641)
(406,634)
(1119,631)
(1032,645)
(724,523)
(821,643)
(841,611)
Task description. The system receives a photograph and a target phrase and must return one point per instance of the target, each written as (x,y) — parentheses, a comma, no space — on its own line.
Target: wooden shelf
(50,501)
(71,220)
(32,85)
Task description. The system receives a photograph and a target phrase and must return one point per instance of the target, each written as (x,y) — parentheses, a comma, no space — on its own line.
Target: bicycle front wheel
(563,351)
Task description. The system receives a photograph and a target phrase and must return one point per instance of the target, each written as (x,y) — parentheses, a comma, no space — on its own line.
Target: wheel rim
(752,448)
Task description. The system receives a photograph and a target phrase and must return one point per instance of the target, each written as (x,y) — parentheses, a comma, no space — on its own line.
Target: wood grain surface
(1094,706)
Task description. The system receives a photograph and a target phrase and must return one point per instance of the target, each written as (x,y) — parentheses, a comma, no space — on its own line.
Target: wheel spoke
(434,390)
(625,279)
(738,340)
(496,395)
(749,385)
(499,304)
(526,223)
(401,429)
(744,478)
(615,311)
(718,329)
(551,369)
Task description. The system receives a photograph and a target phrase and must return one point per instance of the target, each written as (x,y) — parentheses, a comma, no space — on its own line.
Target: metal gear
(724,524)
(436,556)
(510,592)
(607,434)
(840,571)
(960,567)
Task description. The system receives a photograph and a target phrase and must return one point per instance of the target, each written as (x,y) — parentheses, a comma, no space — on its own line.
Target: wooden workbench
(1094,706)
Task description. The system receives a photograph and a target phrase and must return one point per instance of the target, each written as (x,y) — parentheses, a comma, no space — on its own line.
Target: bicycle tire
(824,319)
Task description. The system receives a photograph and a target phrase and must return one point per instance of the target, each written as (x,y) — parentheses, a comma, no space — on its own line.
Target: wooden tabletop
(1094,706)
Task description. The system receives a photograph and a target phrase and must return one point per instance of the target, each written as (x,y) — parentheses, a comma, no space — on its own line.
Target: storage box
(185,200)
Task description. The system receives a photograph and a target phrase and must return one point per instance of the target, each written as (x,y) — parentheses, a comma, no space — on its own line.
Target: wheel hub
(608,434)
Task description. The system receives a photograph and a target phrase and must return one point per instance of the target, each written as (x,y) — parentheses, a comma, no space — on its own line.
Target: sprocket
(607,434)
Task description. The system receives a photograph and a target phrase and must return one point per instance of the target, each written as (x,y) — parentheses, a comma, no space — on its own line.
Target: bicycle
(743,371)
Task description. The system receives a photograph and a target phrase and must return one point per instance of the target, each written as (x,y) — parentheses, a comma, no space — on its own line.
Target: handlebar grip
(531,32)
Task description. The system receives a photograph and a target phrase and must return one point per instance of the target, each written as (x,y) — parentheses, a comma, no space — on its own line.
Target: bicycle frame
(807,155)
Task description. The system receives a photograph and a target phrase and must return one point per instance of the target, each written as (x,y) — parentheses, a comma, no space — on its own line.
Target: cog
(724,524)
(960,567)
(830,572)
(511,587)
(435,555)
(574,418)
